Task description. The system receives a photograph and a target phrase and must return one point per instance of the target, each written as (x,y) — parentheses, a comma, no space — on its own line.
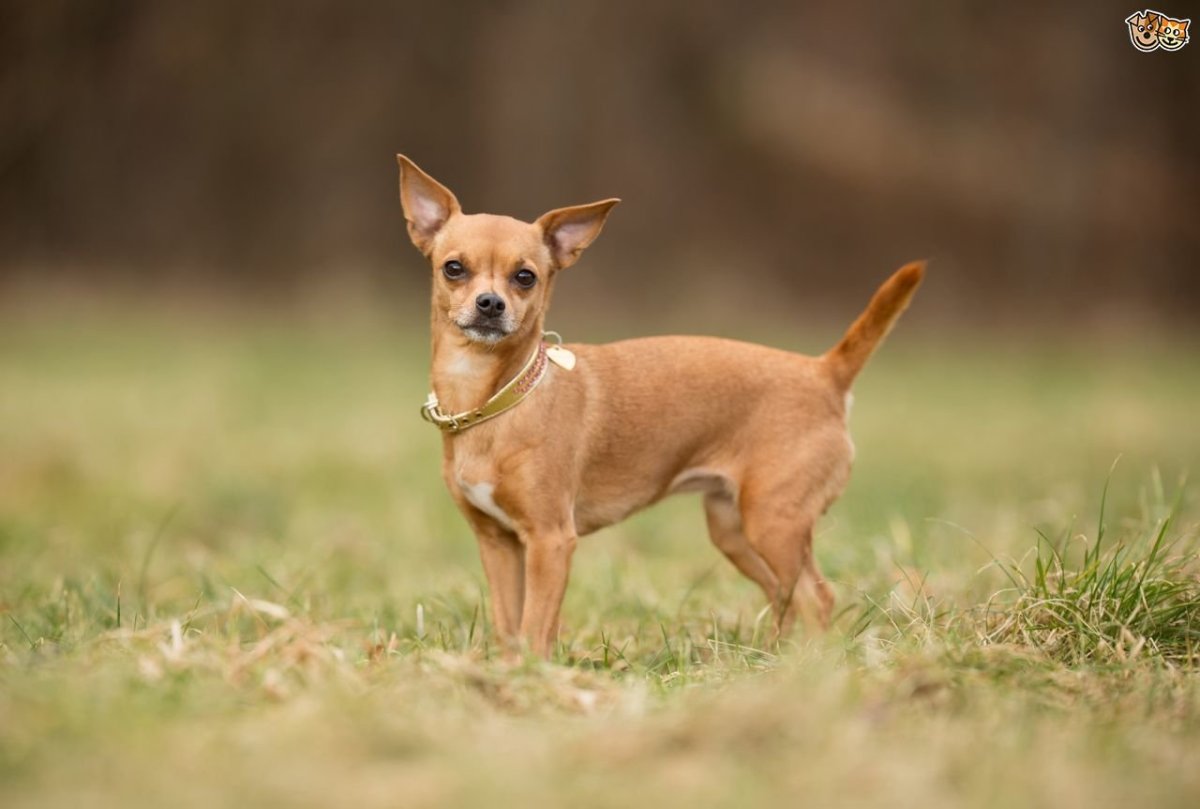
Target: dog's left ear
(427,203)
(568,231)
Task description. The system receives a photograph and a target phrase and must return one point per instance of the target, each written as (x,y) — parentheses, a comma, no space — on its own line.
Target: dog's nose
(490,304)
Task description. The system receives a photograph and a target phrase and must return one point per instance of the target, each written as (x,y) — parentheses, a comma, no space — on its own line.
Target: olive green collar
(508,396)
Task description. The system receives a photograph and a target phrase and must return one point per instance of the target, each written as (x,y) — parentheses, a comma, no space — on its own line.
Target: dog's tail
(848,357)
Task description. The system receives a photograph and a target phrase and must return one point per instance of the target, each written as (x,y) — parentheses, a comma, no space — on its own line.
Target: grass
(1140,597)
(229,576)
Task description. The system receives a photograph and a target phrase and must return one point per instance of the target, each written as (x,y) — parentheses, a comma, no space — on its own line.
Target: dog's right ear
(427,204)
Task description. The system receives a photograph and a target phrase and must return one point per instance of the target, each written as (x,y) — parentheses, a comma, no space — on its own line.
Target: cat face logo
(1150,30)
(1172,34)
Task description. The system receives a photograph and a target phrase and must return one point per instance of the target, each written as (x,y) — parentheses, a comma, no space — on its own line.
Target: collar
(508,396)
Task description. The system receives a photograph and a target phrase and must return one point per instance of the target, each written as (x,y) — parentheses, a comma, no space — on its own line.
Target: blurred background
(784,156)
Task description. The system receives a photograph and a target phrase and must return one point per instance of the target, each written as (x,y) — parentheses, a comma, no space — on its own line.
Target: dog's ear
(568,231)
(427,203)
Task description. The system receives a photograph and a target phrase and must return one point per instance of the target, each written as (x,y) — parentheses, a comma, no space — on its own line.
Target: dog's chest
(482,495)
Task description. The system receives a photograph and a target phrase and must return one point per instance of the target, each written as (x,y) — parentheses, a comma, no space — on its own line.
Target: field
(229,575)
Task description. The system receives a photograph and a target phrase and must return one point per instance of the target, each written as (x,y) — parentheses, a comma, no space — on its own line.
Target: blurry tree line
(801,149)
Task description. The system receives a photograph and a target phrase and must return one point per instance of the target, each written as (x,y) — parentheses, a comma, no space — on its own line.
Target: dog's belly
(601,508)
(592,516)
(593,513)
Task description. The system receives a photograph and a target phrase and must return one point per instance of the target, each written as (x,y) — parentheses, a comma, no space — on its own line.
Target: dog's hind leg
(812,598)
(778,522)
(784,542)
(725,529)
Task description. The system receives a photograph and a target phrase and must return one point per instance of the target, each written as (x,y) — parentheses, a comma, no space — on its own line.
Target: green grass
(229,576)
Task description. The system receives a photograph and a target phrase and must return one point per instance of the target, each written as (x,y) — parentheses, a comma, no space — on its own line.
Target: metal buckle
(429,410)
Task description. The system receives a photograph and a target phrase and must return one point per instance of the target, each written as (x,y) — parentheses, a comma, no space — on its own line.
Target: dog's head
(1143,30)
(492,275)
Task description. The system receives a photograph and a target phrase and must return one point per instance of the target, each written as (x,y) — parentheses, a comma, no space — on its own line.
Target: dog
(544,443)
(1143,30)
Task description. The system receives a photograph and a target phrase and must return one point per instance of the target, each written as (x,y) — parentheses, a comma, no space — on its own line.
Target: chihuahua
(544,443)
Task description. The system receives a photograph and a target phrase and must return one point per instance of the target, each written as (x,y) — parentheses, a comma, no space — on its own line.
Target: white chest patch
(481,496)
(463,364)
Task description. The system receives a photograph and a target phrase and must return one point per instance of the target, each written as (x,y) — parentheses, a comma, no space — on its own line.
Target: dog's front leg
(547,567)
(504,565)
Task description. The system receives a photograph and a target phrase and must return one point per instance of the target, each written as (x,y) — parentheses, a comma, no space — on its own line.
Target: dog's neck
(465,374)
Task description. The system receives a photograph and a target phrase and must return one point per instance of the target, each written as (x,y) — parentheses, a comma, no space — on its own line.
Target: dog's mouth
(484,332)
(1144,40)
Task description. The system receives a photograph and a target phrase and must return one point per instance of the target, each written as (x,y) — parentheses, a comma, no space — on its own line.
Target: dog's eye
(524,278)
(453,270)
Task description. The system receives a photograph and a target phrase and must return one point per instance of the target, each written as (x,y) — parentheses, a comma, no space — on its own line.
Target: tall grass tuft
(1113,602)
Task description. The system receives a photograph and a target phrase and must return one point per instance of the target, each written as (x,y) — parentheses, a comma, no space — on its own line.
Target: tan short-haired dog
(546,443)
